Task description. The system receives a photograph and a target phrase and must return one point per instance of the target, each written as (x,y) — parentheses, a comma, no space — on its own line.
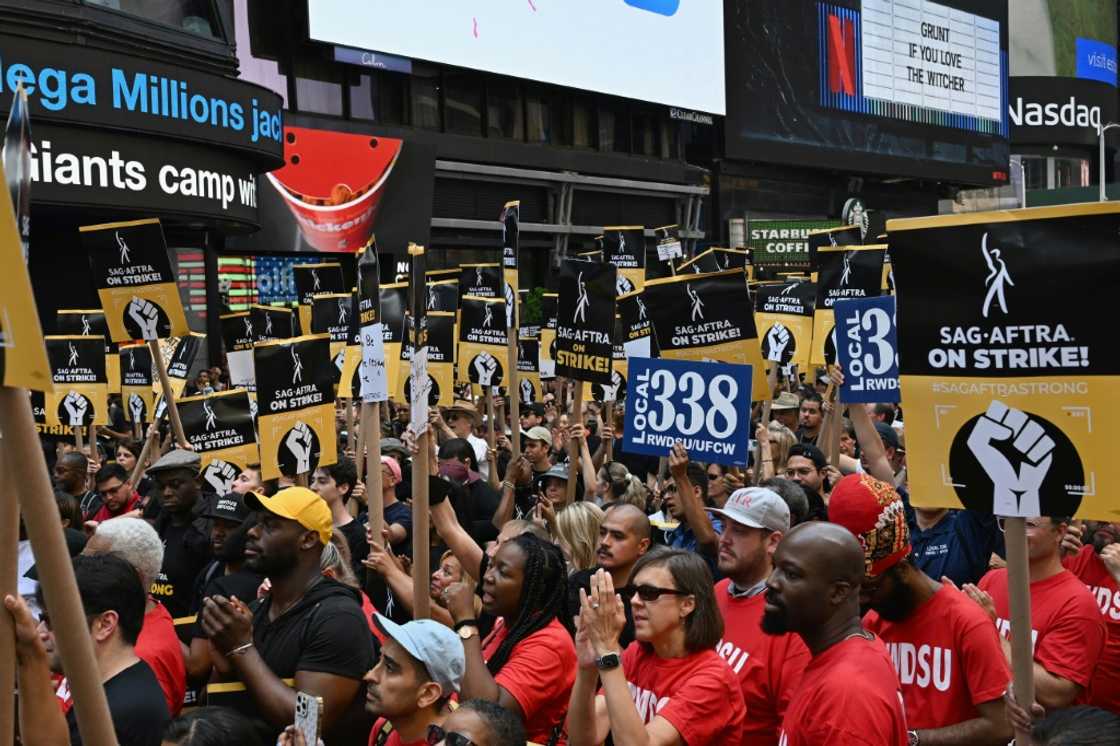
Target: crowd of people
(657,601)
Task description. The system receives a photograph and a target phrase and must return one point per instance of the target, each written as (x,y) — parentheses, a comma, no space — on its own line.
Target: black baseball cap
(230,507)
(888,435)
(533,408)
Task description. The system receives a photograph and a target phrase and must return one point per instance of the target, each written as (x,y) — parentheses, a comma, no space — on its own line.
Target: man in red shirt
(115,492)
(849,691)
(1097,565)
(1067,629)
(410,688)
(945,650)
(768,667)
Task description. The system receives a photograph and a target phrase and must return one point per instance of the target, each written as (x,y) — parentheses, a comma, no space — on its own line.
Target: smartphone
(309,711)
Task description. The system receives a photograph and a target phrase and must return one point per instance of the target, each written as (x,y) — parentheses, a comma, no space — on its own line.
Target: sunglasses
(451,738)
(650,592)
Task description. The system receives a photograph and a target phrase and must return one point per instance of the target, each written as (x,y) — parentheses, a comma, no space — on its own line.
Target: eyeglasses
(650,592)
(714,477)
(451,738)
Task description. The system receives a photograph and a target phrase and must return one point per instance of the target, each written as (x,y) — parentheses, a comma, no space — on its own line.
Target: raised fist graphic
(146,316)
(137,407)
(777,339)
(1016,485)
(299,442)
(76,406)
(220,476)
(610,391)
(526,391)
(485,366)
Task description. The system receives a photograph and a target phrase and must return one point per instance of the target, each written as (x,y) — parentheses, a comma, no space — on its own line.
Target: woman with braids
(527,664)
(669,687)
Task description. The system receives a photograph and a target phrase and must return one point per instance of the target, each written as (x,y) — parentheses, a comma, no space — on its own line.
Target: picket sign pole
(514,389)
(1018,587)
(491,455)
(830,425)
(349,423)
(79,441)
(142,459)
(573,443)
(771,383)
(168,395)
(302,480)
(24,459)
(500,414)
(608,421)
(421,549)
(9,586)
(375,501)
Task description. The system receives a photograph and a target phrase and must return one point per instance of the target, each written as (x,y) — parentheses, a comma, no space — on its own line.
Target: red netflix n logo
(841,55)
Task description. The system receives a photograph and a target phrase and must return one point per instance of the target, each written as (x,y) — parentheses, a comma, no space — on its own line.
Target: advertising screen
(664,51)
(899,87)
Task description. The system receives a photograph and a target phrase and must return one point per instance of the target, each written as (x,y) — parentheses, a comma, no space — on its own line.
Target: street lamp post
(1104,129)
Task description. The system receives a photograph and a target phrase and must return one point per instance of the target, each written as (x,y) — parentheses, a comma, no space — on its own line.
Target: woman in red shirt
(669,686)
(527,663)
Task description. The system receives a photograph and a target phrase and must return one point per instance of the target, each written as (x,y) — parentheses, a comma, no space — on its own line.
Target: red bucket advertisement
(333,182)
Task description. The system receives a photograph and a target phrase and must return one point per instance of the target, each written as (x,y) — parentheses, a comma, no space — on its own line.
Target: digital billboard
(898,87)
(1063,71)
(665,51)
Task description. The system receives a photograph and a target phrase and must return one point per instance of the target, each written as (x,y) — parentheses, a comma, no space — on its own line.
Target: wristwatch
(912,737)
(608,661)
(467,631)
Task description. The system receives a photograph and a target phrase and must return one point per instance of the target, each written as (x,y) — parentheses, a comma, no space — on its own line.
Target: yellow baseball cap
(297,504)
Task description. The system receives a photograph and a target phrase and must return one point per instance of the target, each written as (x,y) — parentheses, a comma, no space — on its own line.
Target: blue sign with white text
(1096,60)
(867,349)
(706,406)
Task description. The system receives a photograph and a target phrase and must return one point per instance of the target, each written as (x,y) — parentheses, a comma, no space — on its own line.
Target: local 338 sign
(706,406)
(1009,373)
(867,350)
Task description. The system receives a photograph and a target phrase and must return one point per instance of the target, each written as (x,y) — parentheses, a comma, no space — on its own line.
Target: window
(538,117)
(194,16)
(646,134)
(363,96)
(614,129)
(463,104)
(425,100)
(504,115)
(393,97)
(318,86)
(583,123)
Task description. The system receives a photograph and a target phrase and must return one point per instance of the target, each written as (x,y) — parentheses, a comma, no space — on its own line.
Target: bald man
(849,691)
(624,536)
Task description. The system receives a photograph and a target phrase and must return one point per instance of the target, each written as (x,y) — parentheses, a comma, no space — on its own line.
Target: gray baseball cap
(756,507)
(177,458)
(434,645)
(539,433)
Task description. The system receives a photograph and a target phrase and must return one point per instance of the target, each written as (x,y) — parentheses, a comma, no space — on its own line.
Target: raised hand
(146,317)
(76,406)
(777,339)
(1016,486)
(299,443)
(220,475)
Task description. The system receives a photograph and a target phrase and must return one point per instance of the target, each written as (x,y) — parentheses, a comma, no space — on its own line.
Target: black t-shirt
(324,632)
(582,579)
(242,585)
(475,506)
(355,533)
(136,705)
(186,551)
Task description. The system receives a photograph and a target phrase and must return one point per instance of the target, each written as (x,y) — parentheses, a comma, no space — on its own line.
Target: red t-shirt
(848,697)
(103,513)
(1066,628)
(539,674)
(948,658)
(158,646)
(394,738)
(768,667)
(1104,690)
(698,694)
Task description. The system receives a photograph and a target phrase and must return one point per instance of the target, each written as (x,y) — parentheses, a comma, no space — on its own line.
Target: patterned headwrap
(873,511)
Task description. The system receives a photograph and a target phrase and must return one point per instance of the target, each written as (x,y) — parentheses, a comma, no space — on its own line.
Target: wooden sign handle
(168,395)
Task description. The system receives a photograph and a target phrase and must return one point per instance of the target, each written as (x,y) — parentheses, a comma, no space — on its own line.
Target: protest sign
(137,381)
(843,235)
(634,325)
(1008,381)
(238,336)
(220,429)
(481,280)
(547,352)
(80,396)
(706,317)
(482,340)
(91,321)
(132,274)
(332,314)
(784,315)
(616,389)
(714,260)
(624,246)
(585,320)
(372,371)
(311,280)
(440,362)
(394,303)
(706,406)
(295,400)
(528,367)
(443,295)
(272,322)
(511,234)
(669,250)
(842,272)
(867,349)
(183,359)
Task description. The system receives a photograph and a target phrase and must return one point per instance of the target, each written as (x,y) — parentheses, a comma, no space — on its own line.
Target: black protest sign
(669,249)
(238,336)
(183,360)
(132,273)
(85,322)
(624,246)
(511,239)
(528,368)
(443,295)
(81,395)
(440,333)
(295,405)
(585,320)
(843,272)
(272,322)
(394,303)
(220,429)
(315,279)
(547,352)
(635,327)
(371,382)
(616,389)
(714,260)
(783,312)
(844,235)
(137,394)
(332,314)
(481,281)
(1008,370)
(706,317)
(482,340)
